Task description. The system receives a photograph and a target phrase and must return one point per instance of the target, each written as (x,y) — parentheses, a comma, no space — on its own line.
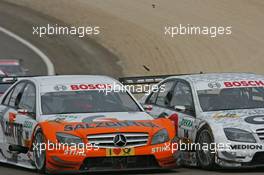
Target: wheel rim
(205,156)
(39,151)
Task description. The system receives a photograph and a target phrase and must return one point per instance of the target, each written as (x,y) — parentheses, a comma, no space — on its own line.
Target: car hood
(249,119)
(83,124)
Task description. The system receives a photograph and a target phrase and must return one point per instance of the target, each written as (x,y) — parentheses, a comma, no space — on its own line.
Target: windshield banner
(229,84)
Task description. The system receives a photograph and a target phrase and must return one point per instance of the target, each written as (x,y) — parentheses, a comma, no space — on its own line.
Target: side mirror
(148,108)
(188,109)
(22,111)
(180,108)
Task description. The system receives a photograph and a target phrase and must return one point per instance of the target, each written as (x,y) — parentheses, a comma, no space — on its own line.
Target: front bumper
(161,156)
(244,155)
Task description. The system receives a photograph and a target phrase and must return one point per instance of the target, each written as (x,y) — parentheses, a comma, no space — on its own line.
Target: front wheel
(206,152)
(39,152)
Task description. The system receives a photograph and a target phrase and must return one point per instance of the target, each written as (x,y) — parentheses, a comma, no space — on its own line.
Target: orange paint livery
(61,160)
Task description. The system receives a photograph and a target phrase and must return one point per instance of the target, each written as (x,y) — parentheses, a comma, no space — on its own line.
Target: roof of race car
(223,80)
(52,83)
(208,77)
(58,79)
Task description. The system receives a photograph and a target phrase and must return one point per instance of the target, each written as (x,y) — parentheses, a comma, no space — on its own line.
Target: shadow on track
(135,172)
(6,168)
(226,171)
(20,170)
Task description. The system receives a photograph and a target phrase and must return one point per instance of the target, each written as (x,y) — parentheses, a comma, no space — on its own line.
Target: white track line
(45,58)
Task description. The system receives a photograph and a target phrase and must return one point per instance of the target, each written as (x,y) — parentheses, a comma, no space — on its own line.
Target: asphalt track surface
(69,55)
(11,48)
(12,170)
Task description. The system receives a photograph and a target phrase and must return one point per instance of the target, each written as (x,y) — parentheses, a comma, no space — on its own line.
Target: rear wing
(146,79)
(8,80)
(12,79)
(153,79)
(142,79)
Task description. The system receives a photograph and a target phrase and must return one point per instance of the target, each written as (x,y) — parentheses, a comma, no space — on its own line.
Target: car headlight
(160,137)
(239,135)
(68,139)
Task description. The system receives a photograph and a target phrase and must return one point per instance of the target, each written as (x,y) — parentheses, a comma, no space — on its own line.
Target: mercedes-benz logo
(214,85)
(60,87)
(120,140)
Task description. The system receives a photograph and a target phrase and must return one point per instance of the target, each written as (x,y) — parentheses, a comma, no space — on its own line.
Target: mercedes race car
(78,124)
(224,111)
(12,67)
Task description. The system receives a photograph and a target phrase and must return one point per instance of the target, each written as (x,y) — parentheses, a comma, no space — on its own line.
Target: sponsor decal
(72,127)
(28,125)
(246,147)
(161,149)
(74,153)
(251,83)
(62,118)
(257,119)
(12,129)
(57,120)
(69,116)
(214,85)
(186,123)
(120,152)
(76,87)
(227,115)
(60,87)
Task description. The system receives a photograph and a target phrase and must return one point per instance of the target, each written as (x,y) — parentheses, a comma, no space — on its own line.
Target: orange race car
(79,124)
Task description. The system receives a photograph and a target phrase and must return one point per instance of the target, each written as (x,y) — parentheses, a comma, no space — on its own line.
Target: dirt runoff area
(140,32)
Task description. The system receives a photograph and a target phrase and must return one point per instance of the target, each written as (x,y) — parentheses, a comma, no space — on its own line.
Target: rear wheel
(39,152)
(206,153)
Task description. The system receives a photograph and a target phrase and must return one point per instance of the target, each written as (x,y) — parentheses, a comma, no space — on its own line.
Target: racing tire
(205,158)
(39,154)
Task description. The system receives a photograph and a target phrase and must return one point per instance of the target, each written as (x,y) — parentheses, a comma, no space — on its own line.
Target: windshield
(231,98)
(87,102)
